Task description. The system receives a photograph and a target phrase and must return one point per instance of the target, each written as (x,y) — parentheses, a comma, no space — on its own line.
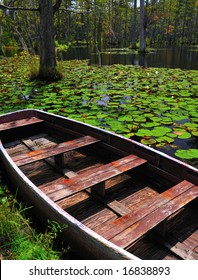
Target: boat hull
(77,233)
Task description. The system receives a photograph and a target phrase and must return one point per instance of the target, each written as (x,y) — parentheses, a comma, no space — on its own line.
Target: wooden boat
(119,198)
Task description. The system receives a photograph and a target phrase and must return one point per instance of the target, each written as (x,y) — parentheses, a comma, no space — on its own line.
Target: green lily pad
(191,125)
(179,118)
(143,132)
(171,135)
(93,122)
(148,115)
(182,133)
(139,119)
(165,139)
(150,124)
(194,133)
(117,126)
(160,131)
(194,114)
(128,135)
(101,115)
(166,121)
(195,120)
(187,154)
(156,119)
(148,141)
(185,135)
(126,118)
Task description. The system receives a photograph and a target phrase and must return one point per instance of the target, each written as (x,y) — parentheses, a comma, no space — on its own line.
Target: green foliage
(19,241)
(167,22)
(8,39)
(61,47)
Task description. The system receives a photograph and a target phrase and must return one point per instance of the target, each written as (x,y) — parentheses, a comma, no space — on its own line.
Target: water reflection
(177,57)
(168,58)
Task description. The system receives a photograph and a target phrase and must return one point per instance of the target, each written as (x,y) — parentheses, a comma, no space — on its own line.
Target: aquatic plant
(155,106)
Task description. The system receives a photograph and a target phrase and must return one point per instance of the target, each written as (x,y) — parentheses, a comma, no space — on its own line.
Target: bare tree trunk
(142,28)
(23,43)
(48,65)
(134,25)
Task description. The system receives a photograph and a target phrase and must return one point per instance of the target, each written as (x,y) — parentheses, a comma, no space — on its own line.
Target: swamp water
(163,111)
(157,106)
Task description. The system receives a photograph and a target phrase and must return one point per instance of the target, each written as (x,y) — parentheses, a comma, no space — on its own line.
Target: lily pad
(179,118)
(191,125)
(184,135)
(93,122)
(160,131)
(139,119)
(148,141)
(149,124)
(143,132)
(165,139)
(126,118)
(166,121)
(187,154)
(194,133)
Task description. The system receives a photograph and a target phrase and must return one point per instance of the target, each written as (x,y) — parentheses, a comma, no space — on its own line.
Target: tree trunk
(48,65)
(142,28)
(134,25)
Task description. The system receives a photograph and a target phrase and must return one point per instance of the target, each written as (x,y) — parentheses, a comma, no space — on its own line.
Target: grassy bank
(19,240)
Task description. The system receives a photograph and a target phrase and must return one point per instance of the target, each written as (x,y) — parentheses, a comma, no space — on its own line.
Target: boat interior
(120,195)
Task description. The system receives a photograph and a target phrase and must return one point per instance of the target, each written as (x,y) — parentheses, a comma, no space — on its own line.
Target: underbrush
(18,239)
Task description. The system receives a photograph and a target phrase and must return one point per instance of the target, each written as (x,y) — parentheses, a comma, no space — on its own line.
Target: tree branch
(3,7)
(56,8)
(74,11)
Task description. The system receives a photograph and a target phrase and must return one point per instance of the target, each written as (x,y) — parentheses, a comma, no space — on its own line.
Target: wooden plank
(33,145)
(19,123)
(151,205)
(99,218)
(192,240)
(118,207)
(65,187)
(176,247)
(137,200)
(53,150)
(141,227)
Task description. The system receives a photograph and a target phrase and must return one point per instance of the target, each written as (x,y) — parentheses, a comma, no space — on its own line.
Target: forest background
(117,22)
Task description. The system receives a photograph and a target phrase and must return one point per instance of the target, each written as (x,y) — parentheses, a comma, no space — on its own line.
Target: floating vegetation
(156,106)
(187,154)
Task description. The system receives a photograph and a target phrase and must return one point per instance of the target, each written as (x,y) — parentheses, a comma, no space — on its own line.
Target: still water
(177,57)
(174,57)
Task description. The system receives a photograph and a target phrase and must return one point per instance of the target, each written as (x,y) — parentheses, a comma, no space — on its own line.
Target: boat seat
(130,227)
(53,150)
(19,123)
(94,178)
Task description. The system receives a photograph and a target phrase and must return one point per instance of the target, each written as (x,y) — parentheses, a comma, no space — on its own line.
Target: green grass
(18,238)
